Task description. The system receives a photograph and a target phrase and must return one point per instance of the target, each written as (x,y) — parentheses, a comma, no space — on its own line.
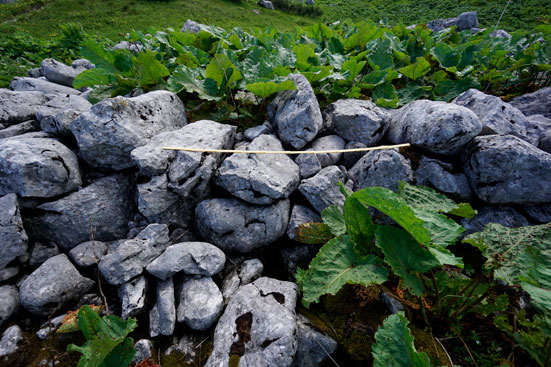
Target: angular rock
(296,114)
(245,273)
(201,303)
(133,297)
(106,205)
(52,286)
(82,64)
(357,120)
(259,325)
(88,253)
(322,190)
(37,167)
(198,258)
(9,302)
(58,72)
(463,21)
(130,257)
(508,170)
(13,238)
(313,347)
(500,33)
(144,350)
(439,127)
(191,27)
(8,273)
(60,124)
(538,131)
(42,252)
(536,103)
(266,4)
(441,176)
(134,47)
(310,164)
(301,215)
(259,178)
(539,213)
(235,226)
(497,117)
(254,132)
(24,84)
(505,215)
(114,127)
(10,340)
(383,168)
(350,159)
(35,72)
(162,317)
(20,129)
(49,327)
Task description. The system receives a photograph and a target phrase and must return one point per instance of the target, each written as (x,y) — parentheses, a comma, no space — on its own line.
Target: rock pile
(93,183)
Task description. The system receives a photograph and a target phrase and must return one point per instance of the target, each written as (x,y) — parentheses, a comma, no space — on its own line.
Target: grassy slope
(113,18)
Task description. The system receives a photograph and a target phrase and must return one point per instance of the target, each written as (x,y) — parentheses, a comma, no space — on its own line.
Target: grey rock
(393,305)
(10,340)
(383,168)
(297,255)
(497,117)
(259,324)
(536,103)
(313,347)
(49,327)
(322,190)
(20,129)
(130,257)
(24,84)
(201,303)
(266,4)
(37,167)
(35,73)
(508,170)
(60,124)
(310,164)
(505,215)
(500,33)
(301,215)
(296,114)
(441,176)
(13,238)
(114,127)
(88,253)
(539,213)
(259,178)
(9,302)
(52,286)
(247,272)
(230,285)
(357,120)
(134,47)
(133,296)
(350,159)
(545,142)
(58,72)
(105,205)
(198,258)
(82,64)
(186,348)
(538,130)
(254,132)
(438,127)
(59,109)
(162,317)
(190,27)
(42,252)
(8,273)
(144,350)
(31,135)
(464,21)
(235,226)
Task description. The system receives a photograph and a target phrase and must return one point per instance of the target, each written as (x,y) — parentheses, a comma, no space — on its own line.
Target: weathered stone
(497,117)
(236,226)
(133,297)
(191,27)
(350,159)
(357,120)
(245,273)
(20,129)
(60,124)
(52,286)
(441,176)
(536,103)
(13,238)
(10,340)
(313,346)
(463,21)
(24,84)
(8,273)
(186,348)
(134,47)
(296,114)
(259,178)
(505,215)
(298,255)
(201,303)
(439,127)
(259,325)
(58,72)
(322,190)
(37,167)
(310,164)
(539,213)
(198,258)
(130,257)
(508,170)
(35,72)
(254,132)
(82,64)
(42,252)
(301,215)
(49,327)
(9,302)
(114,127)
(88,253)
(144,350)
(538,130)
(383,168)
(162,317)
(105,206)
(500,33)
(266,4)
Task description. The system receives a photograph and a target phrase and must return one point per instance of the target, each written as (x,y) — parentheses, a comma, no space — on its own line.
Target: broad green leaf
(416,70)
(394,345)
(537,281)
(446,90)
(385,95)
(335,265)
(70,321)
(445,256)
(219,68)
(150,70)
(99,56)
(445,55)
(333,217)
(313,233)
(90,78)
(381,57)
(359,225)
(405,256)
(264,89)
(353,68)
(192,80)
(305,56)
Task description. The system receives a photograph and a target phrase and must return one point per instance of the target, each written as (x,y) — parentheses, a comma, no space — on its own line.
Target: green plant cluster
(415,251)
(233,72)
(297,7)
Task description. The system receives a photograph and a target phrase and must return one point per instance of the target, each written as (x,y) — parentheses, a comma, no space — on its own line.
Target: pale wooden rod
(231,151)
